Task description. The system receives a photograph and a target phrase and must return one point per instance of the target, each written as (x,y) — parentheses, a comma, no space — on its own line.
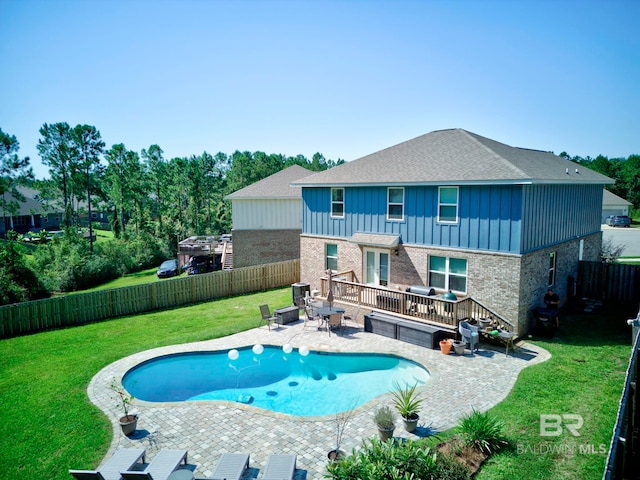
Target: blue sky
(344,78)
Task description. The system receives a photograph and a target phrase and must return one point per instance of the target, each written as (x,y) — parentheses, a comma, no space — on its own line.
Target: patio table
(503,336)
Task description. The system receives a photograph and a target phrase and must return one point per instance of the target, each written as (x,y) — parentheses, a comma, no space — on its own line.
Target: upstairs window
(337,202)
(395,203)
(448,204)
(448,273)
(331,255)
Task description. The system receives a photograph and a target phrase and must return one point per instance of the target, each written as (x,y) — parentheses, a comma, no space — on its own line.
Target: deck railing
(425,308)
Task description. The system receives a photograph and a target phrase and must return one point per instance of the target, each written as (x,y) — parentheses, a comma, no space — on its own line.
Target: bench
(421,334)
(381,324)
(286,315)
(405,330)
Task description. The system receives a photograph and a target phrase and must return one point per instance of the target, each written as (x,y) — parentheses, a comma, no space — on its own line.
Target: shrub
(482,431)
(378,460)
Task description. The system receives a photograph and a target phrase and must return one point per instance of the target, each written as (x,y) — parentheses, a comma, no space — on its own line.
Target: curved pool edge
(229,426)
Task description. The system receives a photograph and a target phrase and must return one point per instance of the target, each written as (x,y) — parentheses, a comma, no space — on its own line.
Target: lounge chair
(266,316)
(231,466)
(469,334)
(163,465)
(123,459)
(280,467)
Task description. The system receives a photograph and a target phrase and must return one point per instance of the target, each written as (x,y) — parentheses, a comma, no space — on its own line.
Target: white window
(448,204)
(552,269)
(395,203)
(448,273)
(331,256)
(337,202)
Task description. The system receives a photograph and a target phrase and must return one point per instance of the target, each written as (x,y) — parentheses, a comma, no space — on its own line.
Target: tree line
(151,201)
(625,172)
(145,191)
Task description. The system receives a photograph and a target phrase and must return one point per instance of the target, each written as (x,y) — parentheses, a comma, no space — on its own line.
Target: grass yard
(128,280)
(49,424)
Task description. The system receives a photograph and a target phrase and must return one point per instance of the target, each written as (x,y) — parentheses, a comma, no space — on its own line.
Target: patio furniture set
(129,464)
(322,314)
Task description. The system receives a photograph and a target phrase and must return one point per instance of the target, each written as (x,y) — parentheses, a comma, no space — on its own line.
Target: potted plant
(341,421)
(383,419)
(445,345)
(129,421)
(459,346)
(407,404)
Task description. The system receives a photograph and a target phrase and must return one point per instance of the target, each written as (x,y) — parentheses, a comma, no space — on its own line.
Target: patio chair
(335,321)
(231,466)
(311,316)
(266,316)
(469,334)
(123,459)
(280,467)
(163,464)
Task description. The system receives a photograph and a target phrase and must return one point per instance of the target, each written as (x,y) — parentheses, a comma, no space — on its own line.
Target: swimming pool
(298,383)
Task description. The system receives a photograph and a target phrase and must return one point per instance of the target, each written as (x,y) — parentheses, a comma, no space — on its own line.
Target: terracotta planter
(445,346)
(129,424)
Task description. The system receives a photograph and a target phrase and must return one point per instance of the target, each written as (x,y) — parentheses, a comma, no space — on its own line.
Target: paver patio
(209,428)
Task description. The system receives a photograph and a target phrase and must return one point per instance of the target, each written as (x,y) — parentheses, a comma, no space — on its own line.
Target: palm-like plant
(406,401)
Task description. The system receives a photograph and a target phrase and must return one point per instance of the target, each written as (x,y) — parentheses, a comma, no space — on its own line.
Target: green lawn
(49,425)
(128,280)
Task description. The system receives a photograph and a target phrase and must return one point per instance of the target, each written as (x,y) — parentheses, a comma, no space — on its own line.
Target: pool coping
(226,426)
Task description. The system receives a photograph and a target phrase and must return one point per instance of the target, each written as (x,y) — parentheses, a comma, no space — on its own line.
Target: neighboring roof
(454,157)
(277,185)
(31,204)
(609,198)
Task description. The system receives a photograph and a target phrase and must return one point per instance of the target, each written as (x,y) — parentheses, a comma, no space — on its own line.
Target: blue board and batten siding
(505,218)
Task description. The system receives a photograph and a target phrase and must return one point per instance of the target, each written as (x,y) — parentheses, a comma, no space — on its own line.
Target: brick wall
(257,247)
(509,284)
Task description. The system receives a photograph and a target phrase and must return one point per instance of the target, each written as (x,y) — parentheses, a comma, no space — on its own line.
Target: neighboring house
(613,205)
(455,211)
(30,214)
(267,219)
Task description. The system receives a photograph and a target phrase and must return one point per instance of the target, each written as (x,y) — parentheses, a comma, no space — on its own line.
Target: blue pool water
(316,384)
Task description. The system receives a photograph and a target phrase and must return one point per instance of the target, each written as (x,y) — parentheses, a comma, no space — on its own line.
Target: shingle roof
(454,156)
(609,198)
(277,185)
(31,204)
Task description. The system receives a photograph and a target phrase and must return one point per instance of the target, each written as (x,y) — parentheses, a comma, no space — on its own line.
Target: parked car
(169,268)
(225,237)
(618,221)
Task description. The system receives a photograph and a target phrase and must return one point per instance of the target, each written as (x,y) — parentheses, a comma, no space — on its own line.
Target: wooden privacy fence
(28,317)
(609,281)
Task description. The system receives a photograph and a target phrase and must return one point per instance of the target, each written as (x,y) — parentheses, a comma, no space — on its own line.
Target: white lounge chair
(231,466)
(163,465)
(280,467)
(123,459)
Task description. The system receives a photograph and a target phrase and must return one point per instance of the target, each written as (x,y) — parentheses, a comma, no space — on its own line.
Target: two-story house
(455,211)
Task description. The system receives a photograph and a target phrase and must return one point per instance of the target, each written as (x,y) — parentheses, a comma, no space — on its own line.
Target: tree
(18,283)
(156,169)
(56,151)
(13,171)
(124,179)
(88,146)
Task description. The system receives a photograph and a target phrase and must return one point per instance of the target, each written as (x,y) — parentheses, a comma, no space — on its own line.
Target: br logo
(551,425)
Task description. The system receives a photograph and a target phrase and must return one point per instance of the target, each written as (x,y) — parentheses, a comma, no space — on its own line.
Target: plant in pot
(407,404)
(341,420)
(459,346)
(129,421)
(383,419)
